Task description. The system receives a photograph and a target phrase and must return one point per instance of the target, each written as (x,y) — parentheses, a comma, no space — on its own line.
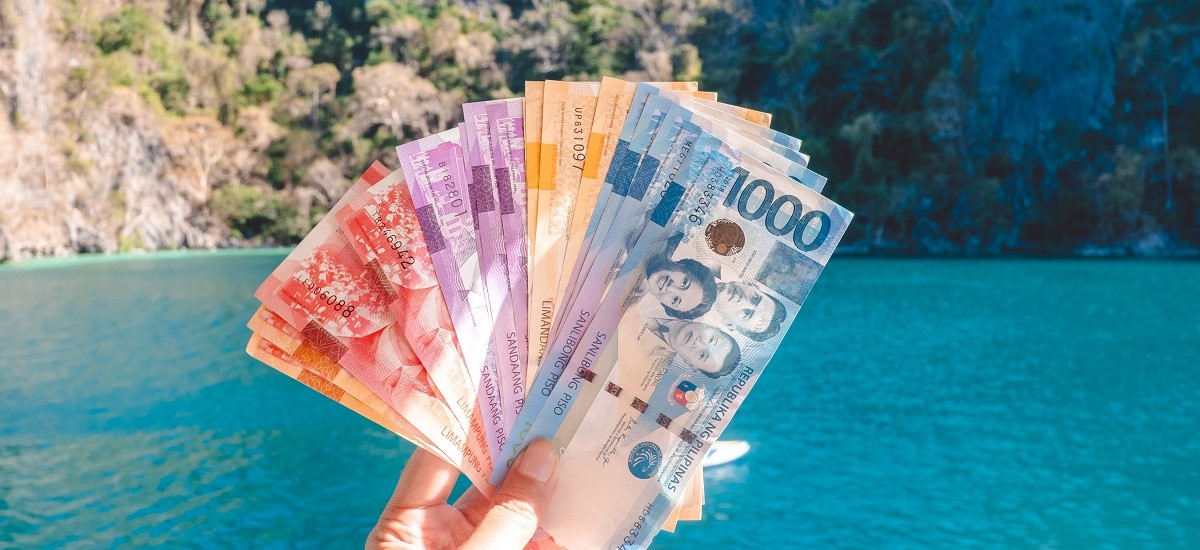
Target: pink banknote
(436,176)
(382,226)
(324,290)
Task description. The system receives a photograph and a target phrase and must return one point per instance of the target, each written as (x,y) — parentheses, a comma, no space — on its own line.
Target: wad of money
(609,265)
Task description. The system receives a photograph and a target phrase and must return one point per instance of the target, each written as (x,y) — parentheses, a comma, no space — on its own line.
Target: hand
(418,515)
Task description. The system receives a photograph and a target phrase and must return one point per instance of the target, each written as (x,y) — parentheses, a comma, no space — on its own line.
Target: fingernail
(538,460)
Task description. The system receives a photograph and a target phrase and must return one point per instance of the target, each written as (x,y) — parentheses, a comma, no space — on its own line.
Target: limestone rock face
(89,164)
(1042,64)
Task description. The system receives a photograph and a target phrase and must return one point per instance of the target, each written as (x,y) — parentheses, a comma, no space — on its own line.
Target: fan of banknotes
(608,265)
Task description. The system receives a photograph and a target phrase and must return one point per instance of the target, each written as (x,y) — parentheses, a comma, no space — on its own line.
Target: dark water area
(915,404)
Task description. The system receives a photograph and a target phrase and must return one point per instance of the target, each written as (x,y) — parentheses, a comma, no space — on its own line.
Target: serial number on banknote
(400,246)
(705,202)
(327,295)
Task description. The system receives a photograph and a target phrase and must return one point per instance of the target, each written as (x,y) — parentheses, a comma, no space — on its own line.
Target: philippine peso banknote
(436,175)
(508,168)
(682,125)
(435,171)
(532,119)
(632,196)
(325,292)
(483,201)
(691,152)
(383,228)
(567,111)
(324,288)
(752,242)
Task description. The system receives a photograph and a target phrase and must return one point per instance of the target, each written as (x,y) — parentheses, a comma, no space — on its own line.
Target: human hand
(418,515)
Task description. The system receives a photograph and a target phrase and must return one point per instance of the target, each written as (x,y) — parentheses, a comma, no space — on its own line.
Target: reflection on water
(726,473)
(915,404)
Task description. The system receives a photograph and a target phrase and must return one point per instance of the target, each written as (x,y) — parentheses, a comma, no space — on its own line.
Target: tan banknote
(567,111)
(533,149)
(656,144)
(613,106)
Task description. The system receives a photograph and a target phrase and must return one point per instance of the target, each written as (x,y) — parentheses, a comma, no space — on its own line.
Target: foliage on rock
(962,126)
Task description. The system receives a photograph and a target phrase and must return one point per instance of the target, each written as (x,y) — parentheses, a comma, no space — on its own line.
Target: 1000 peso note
(675,154)
(754,242)
(631,191)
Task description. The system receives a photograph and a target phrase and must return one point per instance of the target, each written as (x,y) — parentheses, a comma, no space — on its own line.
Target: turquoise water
(916,404)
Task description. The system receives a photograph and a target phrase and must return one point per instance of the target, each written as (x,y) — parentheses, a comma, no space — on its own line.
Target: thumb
(521,500)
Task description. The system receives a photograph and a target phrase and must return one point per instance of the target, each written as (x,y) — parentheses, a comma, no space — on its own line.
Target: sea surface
(915,404)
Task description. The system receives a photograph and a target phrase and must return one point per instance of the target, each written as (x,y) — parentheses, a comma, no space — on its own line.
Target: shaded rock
(1150,244)
(1044,63)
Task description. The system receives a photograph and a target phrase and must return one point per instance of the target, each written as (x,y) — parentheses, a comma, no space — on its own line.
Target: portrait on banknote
(686,285)
(684,288)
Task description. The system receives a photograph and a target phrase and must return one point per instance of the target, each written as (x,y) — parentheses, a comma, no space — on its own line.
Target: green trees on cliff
(947,126)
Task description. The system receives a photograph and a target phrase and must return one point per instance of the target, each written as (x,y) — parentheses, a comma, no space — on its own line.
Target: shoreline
(1160,249)
(850,252)
(93,258)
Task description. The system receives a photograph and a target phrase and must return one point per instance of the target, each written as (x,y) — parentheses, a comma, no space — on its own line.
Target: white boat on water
(723,452)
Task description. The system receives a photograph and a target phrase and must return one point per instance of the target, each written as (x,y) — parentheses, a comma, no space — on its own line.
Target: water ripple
(915,404)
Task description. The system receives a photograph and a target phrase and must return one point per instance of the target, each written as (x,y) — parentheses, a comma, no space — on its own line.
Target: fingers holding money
(417,514)
(521,500)
(427,481)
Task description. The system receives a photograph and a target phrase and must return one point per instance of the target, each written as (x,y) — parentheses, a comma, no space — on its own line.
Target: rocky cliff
(948,126)
(109,145)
